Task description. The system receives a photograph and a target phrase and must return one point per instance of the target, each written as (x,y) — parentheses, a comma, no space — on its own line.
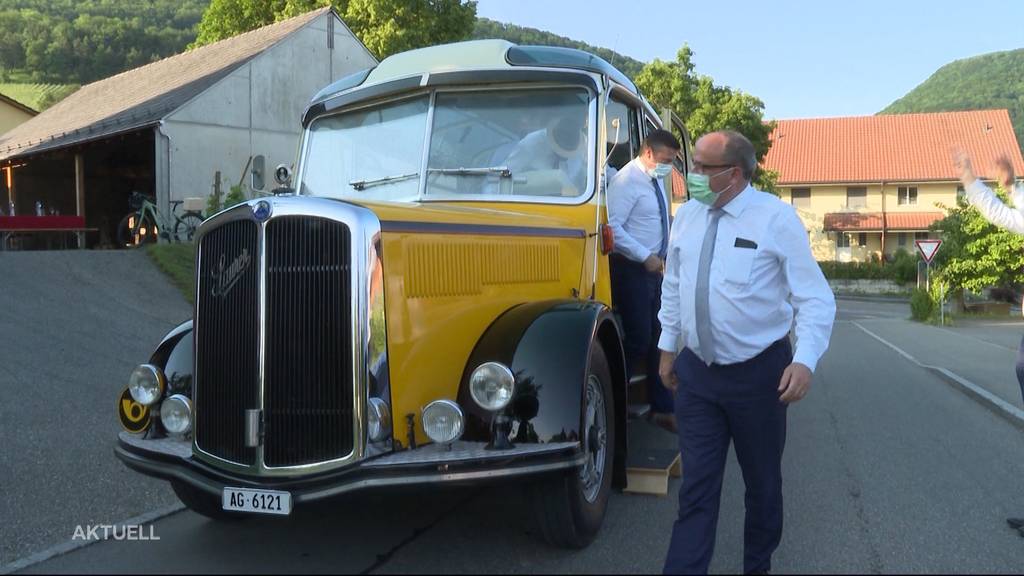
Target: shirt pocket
(738,264)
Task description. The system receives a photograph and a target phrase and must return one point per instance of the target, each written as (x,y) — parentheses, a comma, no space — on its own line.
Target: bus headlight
(443,421)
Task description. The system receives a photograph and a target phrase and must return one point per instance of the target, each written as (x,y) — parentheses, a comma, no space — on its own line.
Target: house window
(906,195)
(801,198)
(960,192)
(862,239)
(920,235)
(842,240)
(856,197)
(902,238)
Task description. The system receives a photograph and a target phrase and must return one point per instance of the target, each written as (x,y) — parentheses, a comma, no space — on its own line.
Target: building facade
(868,187)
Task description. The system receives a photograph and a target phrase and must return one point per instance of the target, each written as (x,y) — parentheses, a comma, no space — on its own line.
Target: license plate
(257,501)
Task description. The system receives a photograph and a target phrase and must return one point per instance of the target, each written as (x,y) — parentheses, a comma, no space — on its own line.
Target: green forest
(993,80)
(80,41)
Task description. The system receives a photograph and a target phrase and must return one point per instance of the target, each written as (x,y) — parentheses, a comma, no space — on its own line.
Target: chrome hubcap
(595,440)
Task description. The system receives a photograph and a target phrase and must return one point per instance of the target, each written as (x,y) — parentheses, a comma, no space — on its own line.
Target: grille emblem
(261,210)
(225,278)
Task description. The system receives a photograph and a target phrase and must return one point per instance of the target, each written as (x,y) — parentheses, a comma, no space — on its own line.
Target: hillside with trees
(485,28)
(80,41)
(993,80)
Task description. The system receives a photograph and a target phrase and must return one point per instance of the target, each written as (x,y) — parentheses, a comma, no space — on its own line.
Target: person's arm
(621,202)
(984,199)
(671,324)
(814,305)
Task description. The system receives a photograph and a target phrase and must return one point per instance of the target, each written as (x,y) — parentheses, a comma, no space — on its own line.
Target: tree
(387,27)
(705,107)
(227,18)
(976,254)
(384,26)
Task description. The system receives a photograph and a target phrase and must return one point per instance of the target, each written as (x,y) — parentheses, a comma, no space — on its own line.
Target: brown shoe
(666,421)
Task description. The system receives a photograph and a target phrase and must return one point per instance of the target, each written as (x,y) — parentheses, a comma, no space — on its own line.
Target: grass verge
(178,261)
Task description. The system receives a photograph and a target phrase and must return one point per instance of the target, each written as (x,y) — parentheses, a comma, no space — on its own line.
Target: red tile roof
(890,148)
(864,221)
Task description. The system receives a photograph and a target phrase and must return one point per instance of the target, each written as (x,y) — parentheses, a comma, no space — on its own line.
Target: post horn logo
(134,417)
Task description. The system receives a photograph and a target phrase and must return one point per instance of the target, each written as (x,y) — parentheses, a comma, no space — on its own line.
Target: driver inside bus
(559,146)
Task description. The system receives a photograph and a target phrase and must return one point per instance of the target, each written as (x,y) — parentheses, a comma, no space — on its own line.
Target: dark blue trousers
(716,405)
(1020,367)
(636,294)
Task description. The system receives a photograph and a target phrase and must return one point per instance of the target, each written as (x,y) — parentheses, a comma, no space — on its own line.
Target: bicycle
(145,224)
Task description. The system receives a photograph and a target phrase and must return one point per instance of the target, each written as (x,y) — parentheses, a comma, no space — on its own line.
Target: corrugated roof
(856,221)
(144,95)
(890,148)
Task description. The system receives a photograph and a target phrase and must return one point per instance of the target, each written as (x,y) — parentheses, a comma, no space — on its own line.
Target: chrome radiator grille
(227,340)
(308,395)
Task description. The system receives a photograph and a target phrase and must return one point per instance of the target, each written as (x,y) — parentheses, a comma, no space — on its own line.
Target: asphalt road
(887,467)
(73,325)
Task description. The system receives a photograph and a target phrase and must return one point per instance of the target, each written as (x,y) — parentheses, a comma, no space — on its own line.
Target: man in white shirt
(1009,217)
(638,217)
(739,272)
(560,146)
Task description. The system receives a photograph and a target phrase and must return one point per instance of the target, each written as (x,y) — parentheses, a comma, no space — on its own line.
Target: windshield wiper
(502,171)
(363,184)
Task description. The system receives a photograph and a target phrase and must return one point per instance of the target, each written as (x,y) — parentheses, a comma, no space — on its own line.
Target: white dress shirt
(537,152)
(762,276)
(994,210)
(633,212)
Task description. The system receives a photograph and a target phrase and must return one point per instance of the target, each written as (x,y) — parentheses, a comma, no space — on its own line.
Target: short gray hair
(739,151)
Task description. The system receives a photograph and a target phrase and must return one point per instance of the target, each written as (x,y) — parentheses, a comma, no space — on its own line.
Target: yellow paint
(442,290)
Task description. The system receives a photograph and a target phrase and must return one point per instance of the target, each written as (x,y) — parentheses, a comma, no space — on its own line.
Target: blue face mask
(659,171)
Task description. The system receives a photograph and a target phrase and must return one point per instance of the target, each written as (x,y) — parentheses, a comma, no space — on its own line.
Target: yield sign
(928,248)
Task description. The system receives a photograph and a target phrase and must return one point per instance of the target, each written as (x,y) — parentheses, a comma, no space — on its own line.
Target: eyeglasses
(703,168)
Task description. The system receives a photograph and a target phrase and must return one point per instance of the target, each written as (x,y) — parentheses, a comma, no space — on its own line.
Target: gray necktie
(705,339)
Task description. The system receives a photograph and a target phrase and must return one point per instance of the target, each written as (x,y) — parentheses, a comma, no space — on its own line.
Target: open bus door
(675,184)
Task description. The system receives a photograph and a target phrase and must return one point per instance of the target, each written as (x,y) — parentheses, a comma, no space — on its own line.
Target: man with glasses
(739,271)
(639,219)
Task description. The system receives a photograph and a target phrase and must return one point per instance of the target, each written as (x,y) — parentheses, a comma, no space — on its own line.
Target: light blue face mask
(661,170)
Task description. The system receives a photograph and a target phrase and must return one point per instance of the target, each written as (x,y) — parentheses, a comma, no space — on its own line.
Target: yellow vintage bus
(425,301)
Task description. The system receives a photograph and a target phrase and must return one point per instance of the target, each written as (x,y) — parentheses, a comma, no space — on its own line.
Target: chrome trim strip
(399,226)
(426,479)
(261,321)
(428,128)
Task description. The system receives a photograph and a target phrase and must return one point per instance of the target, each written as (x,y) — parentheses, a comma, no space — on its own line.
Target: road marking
(1000,406)
(72,545)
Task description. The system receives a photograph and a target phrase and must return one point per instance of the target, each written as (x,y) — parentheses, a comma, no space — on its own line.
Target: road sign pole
(928,277)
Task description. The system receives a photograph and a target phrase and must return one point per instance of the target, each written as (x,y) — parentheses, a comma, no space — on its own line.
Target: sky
(803,59)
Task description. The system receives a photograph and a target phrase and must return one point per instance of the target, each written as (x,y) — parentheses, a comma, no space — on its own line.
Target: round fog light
(491,386)
(443,421)
(176,414)
(378,419)
(147,384)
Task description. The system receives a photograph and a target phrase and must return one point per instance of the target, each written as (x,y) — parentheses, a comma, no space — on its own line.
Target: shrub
(922,306)
(904,266)
(235,196)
